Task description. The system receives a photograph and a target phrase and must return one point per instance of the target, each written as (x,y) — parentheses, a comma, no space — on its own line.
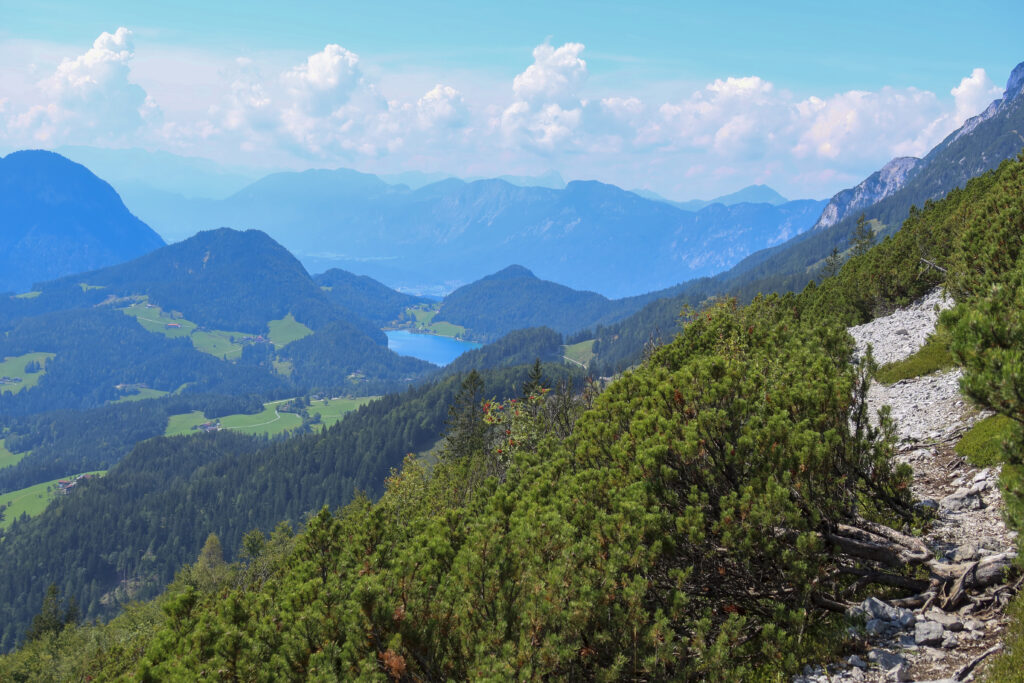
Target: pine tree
(863,237)
(833,262)
(466,431)
(535,381)
(48,621)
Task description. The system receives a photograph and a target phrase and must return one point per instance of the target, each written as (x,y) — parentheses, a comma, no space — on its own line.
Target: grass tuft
(933,356)
(983,444)
(1008,666)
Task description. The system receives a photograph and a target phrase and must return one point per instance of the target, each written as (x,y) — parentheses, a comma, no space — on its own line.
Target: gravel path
(930,416)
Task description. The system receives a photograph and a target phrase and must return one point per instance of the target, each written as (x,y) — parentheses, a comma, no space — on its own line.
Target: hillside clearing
(223,344)
(579,353)
(13,368)
(270,421)
(286,330)
(33,500)
(8,459)
(422,318)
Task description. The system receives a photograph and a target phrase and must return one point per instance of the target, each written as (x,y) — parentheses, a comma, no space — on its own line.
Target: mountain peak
(513,272)
(59,218)
(754,194)
(1015,84)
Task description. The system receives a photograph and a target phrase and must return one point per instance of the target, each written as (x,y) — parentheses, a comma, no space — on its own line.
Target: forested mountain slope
(514,298)
(979,145)
(59,218)
(151,512)
(224,279)
(364,296)
(710,516)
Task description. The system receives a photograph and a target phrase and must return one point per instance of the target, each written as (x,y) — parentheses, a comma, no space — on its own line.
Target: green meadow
(580,353)
(268,421)
(32,500)
(14,366)
(424,315)
(286,330)
(143,394)
(8,459)
(214,342)
(332,410)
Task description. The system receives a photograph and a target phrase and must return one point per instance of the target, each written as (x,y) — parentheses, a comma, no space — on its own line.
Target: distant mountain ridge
(752,194)
(588,236)
(981,144)
(59,218)
(977,146)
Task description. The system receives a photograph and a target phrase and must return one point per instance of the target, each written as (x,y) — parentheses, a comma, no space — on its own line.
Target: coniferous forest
(697,519)
(362,343)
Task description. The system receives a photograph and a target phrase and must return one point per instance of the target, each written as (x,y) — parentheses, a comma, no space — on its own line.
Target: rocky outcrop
(876,187)
(959,157)
(1014,89)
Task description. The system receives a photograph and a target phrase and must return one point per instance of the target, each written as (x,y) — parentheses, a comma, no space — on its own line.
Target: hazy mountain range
(59,218)
(588,235)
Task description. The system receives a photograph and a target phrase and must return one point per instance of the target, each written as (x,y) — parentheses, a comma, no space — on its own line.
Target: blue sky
(687,99)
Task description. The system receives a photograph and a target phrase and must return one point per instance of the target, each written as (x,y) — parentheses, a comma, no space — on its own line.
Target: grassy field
(14,366)
(86,287)
(142,395)
(268,421)
(336,408)
(580,353)
(31,501)
(27,295)
(214,342)
(424,320)
(8,459)
(286,330)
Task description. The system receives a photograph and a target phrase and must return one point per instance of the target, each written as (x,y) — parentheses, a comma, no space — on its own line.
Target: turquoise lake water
(428,347)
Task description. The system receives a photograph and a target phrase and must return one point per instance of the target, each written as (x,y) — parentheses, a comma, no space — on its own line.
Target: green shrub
(933,356)
(983,444)
(1008,665)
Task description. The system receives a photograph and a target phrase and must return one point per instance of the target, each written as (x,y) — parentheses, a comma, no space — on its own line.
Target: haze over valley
(509,342)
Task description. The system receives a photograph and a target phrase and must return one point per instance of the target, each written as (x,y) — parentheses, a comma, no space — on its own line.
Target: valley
(264,416)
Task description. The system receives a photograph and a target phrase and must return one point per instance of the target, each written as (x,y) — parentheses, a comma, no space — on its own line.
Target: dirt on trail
(904,641)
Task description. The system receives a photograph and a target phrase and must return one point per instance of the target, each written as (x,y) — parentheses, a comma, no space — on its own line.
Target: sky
(687,99)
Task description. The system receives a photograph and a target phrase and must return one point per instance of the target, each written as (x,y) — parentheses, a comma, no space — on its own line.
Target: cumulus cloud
(442,107)
(972,95)
(326,81)
(555,75)
(732,116)
(547,109)
(90,97)
(327,109)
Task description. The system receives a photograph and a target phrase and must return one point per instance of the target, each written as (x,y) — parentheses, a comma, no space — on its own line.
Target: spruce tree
(863,237)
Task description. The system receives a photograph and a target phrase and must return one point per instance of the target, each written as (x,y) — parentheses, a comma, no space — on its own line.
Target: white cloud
(858,125)
(442,107)
(326,81)
(89,97)
(730,117)
(329,108)
(555,75)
